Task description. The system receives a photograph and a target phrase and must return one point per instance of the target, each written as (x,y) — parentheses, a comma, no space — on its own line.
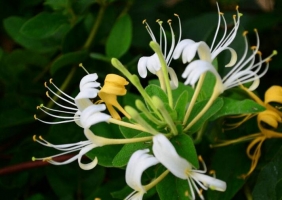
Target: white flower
(152,63)
(245,70)
(88,90)
(83,147)
(137,164)
(165,152)
(188,48)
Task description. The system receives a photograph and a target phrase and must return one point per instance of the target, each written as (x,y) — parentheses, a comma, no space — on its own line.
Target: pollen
(221,13)
(47,159)
(176,15)
(35,117)
(41,138)
(50,80)
(259,53)
(34,138)
(212,172)
(253,47)
(169,21)
(200,158)
(47,94)
(45,84)
(237,7)
(144,21)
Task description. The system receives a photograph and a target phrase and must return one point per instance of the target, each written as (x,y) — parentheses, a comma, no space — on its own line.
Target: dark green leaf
(216,106)
(43,25)
(101,57)
(269,178)
(180,106)
(120,37)
(123,156)
(185,147)
(13,26)
(235,107)
(154,90)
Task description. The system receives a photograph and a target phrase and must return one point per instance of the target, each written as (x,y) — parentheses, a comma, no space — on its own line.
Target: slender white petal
(137,164)
(173,78)
(165,152)
(212,183)
(89,78)
(82,152)
(92,115)
(141,66)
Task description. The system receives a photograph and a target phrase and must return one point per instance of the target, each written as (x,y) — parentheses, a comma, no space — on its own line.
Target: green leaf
(68,59)
(207,87)
(185,147)
(128,132)
(173,188)
(180,106)
(216,106)
(98,56)
(57,4)
(179,90)
(229,163)
(236,107)
(154,90)
(43,25)
(120,37)
(269,179)
(13,25)
(123,156)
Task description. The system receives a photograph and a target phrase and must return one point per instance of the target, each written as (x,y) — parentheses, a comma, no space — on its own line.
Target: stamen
(81,65)
(60,90)
(57,95)
(34,138)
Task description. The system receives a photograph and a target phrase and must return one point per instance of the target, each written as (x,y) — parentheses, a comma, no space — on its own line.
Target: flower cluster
(166,116)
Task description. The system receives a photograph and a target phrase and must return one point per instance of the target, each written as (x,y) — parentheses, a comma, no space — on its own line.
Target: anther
(37,107)
(245,33)
(237,7)
(253,47)
(41,138)
(212,172)
(35,117)
(169,21)
(259,53)
(200,158)
(144,21)
(51,80)
(234,16)
(47,94)
(176,15)
(45,84)
(221,13)
(255,30)
(46,159)
(34,138)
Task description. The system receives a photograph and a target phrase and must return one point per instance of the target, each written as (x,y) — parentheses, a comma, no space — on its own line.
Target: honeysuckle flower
(188,48)
(166,154)
(83,147)
(152,63)
(137,164)
(245,70)
(268,122)
(113,87)
(88,90)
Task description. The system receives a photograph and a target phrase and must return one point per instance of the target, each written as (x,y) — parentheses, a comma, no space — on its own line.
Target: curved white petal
(88,78)
(173,78)
(255,84)
(82,101)
(92,115)
(178,51)
(233,58)
(77,121)
(212,183)
(82,152)
(135,196)
(195,69)
(203,51)
(165,152)
(141,66)
(137,164)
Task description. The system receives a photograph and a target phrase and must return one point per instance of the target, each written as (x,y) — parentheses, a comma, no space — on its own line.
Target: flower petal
(165,152)
(137,164)
(141,66)
(82,152)
(92,115)
(173,78)
(89,78)
(212,183)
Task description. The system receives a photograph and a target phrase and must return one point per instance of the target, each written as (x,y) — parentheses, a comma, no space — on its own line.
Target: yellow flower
(267,120)
(113,87)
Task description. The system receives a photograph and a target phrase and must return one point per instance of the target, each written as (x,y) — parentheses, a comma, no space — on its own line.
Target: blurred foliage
(48,39)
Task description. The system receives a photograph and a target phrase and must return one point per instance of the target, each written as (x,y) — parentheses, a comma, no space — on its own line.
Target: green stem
(126,124)
(136,82)
(215,94)
(95,27)
(156,181)
(155,46)
(194,98)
